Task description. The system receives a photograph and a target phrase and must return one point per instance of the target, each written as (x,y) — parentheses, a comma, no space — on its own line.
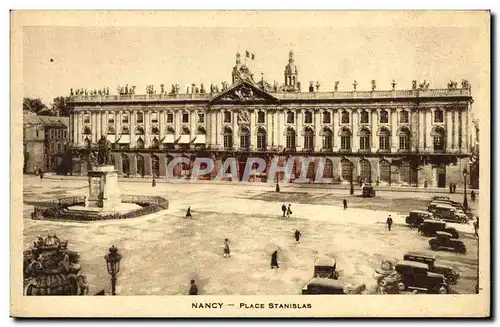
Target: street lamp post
(465,204)
(352,186)
(113,264)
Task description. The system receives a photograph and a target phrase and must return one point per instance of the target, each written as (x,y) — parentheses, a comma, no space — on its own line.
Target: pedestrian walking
(289,210)
(476,227)
(274,260)
(188,213)
(473,196)
(426,184)
(193,289)
(297,236)
(154,182)
(227,251)
(451,188)
(454,187)
(389,222)
(345,204)
(283,208)
(277,187)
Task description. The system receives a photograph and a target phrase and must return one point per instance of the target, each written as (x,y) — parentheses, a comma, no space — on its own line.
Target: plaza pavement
(161,252)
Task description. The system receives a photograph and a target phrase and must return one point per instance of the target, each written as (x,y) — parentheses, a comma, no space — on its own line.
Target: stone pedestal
(103,190)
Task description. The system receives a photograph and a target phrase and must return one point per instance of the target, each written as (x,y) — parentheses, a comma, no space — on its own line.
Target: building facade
(397,137)
(45,143)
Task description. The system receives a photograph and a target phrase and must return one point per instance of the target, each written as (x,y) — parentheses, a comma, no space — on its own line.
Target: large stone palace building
(394,136)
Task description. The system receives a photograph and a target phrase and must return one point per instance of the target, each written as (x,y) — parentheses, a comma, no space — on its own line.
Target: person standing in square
(389,222)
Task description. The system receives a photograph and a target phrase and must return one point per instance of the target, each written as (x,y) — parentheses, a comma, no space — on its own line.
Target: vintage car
(445,198)
(445,240)
(417,217)
(415,276)
(448,212)
(387,278)
(448,272)
(454,204)
(325,267)
(368,191)
(430,227)
(331,286)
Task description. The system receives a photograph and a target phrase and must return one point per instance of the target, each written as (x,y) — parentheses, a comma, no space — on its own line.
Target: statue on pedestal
(104,151)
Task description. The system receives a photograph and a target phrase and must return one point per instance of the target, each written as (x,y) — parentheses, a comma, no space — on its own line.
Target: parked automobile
(448,212)
(331,286)
(454,204)
(387,278)
(448,272)
(430,227)
(325,267)
(445,240)
(368,191)
(416,276)
(416,217)
(446,198)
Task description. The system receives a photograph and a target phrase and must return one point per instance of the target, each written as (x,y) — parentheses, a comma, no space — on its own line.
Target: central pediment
(243,92)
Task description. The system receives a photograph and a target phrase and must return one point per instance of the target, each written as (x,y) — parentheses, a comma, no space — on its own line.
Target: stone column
(335,130)
(133,125)
(317,130)
(162,163)
(79,128)
(193,121)
(118,122)
(177,123)
(161,125)
(273,127)
(147,165)
(280,127)
(147,124)
(428,129)
(449,129)
(421,134)
(373,121)
(355,127)
(93,121)
(253,129)
(299,117)
(465,130)
(456,129)
(132,160)
(118,162)
(414,129)
(218,135)
(236,135)
(394,130)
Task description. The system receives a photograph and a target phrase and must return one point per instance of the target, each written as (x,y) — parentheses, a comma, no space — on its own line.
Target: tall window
(345,139)
(140,117)
(227,116)
(385,171)
(308,117)
(86,118)
(404,117)
(261,117)
(201,118)
(364,117)
(438,116)
(404,139)
(290,118)
(154,118)
(327,139)
(111,118)
(244,138)
(327,117)
(228,138)
(185,117)
(364,139)
(344,117)
(290,139)
(383,139)
(308,139)
(124,117)
(384,117)
(170,117)
(261,138)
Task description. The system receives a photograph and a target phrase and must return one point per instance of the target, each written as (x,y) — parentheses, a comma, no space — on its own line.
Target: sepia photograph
(231,163)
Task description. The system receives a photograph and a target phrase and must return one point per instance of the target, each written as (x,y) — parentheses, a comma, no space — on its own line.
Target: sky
(94,57)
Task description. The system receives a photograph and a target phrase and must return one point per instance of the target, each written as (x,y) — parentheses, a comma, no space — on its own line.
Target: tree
(60,106)
(33,105)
